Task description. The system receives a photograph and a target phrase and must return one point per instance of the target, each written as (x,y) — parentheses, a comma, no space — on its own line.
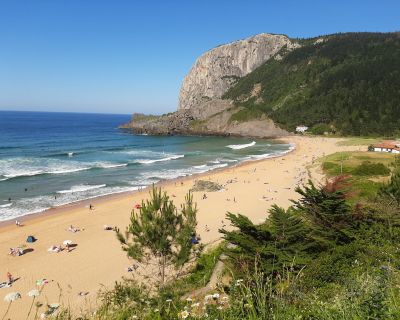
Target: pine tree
(329,215)
(392,189)
(158,233)
(280,241)
(291,235)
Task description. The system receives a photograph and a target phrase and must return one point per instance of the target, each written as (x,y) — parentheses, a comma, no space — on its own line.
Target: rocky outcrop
(218,69)
(201,109)
(169,124)
(183,122)
(221,124)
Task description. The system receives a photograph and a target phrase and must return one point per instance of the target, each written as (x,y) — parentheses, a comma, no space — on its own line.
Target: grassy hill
(345,83)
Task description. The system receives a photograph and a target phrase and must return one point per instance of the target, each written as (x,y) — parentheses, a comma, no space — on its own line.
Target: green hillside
(346,83)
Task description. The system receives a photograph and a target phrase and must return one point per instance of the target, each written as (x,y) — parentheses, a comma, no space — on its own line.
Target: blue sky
(129,56)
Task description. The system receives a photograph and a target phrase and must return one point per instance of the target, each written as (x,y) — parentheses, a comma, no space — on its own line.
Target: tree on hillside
(391,190)
(280,241)
(327,211)
(158,236)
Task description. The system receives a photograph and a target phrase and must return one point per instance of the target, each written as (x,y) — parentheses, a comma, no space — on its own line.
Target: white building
(387,146)
(301,129)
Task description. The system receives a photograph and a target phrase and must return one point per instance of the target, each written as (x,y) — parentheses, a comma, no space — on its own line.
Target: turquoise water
(52,159)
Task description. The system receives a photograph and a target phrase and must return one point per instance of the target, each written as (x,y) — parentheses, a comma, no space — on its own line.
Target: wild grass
(358,141)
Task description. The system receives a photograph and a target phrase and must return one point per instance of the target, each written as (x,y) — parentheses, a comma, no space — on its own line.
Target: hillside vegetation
(345,83)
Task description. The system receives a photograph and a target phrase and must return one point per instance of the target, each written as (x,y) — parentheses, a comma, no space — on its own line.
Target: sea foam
(241,146)
(150,161)
(82,188)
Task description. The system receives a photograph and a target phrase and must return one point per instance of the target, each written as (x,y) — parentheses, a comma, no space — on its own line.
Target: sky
(125,56)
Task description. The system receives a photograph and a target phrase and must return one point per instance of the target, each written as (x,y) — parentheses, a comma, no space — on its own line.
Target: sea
(50,159)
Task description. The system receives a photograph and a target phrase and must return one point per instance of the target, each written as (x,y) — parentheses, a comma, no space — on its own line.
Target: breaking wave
(241,146)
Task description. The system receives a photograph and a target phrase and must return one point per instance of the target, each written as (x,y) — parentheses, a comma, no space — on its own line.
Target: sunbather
(73,229)
(55,248)
(16,252)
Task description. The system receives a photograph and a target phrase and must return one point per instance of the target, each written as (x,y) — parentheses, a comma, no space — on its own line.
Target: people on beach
(72,229)
(55,249)
(204,196)
(10,279)
(18,223)
(194,239)
(132,268)
(91,207)
(16,252)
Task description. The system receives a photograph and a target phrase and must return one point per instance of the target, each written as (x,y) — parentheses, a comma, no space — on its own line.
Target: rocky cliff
(201,109)
(218,69)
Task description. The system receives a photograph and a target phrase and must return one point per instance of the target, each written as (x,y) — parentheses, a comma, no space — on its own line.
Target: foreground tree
(159,235)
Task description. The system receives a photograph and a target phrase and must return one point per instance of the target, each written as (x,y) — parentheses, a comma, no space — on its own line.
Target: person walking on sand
(90,207)
(9,278)
(17,223)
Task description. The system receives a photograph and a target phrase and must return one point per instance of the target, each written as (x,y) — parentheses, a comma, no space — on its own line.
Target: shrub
(368,168)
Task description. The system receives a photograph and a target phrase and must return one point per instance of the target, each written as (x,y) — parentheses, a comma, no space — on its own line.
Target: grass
(368,170)
(201,273)
(246,115)
(358,141)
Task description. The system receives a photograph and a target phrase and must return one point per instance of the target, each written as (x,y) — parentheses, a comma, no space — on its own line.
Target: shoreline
(103,198)
(250,188)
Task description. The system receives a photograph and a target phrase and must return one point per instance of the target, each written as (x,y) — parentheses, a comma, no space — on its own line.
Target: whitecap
(81,188)
(262,156)
(201,166)
(6,205)
(63,171)
(112,165)
(215,161)
(15,174)
(149,161)
(229,160)
(241,146)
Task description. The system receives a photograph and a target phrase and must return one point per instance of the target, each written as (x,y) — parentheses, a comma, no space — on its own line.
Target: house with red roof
(386,146)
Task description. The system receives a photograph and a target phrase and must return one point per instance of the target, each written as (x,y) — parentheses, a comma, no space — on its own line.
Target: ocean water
(52,159)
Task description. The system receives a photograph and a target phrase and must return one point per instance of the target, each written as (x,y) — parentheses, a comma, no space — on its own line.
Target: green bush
(368,168)
(320,128)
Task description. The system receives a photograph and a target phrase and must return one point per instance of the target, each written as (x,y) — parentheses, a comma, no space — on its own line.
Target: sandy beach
(250,188)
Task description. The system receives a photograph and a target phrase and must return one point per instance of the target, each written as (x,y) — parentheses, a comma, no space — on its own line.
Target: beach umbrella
(67,242)
(12,296)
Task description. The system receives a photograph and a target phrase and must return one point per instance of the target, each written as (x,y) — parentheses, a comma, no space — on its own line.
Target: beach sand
(98,259)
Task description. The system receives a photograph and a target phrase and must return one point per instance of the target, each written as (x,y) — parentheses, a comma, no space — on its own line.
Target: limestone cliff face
(218,69)
(201,109)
